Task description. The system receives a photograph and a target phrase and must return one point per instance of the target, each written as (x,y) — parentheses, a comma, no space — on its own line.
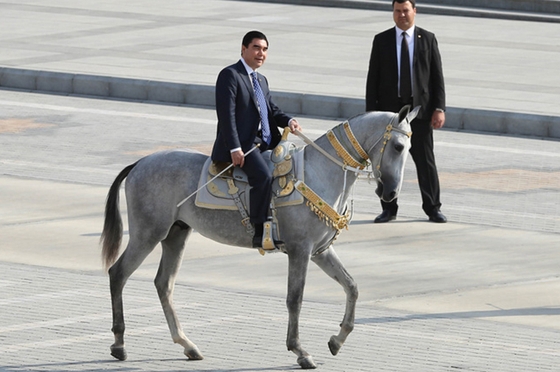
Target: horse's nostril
(393,195)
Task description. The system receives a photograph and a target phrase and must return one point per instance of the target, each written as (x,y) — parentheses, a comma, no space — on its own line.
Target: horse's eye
(399,147)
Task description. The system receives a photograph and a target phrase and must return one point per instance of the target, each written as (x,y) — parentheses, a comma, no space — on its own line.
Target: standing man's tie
(263,111)
(406,83)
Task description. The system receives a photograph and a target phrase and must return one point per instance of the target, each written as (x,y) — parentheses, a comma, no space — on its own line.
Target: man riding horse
(248,117)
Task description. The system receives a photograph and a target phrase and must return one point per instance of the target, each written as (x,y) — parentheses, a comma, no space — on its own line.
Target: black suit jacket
(238,114)
(382,79)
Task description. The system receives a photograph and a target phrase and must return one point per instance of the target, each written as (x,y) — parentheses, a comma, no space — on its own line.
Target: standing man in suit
(405,69)
(247,117)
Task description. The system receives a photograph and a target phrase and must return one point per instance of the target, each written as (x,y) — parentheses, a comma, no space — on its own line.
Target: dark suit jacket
(382,80)
(238,114)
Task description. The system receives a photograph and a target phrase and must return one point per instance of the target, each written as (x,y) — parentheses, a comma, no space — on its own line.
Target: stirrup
(268,242)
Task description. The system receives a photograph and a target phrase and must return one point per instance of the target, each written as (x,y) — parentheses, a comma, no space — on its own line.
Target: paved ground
(479,293)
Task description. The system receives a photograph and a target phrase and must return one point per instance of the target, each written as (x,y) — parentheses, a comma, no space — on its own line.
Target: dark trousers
(260,179)
(422,152)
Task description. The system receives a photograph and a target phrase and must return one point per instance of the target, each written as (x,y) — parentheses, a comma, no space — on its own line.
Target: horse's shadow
(531,311)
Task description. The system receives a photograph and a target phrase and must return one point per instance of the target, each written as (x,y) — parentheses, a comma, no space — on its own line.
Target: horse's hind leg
(329,262)
(130,260)
(172,255)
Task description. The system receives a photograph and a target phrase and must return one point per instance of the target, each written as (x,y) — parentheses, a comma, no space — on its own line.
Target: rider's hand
(294,125)
(237,158)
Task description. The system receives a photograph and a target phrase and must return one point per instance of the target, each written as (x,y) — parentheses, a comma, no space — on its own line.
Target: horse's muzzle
(386,197)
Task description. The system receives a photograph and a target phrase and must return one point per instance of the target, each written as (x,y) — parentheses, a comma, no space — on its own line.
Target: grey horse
(158,182)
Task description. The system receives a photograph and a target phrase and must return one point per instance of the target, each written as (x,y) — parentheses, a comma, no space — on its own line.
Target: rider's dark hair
(249,36)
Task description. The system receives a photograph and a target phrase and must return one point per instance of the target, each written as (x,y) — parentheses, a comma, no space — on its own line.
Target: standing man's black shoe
(437,216)
(385,216)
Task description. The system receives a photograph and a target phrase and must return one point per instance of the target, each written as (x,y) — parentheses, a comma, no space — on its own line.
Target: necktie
(406,84)
(263,111)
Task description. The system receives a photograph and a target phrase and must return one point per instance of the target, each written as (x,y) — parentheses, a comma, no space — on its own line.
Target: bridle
(354,157)
(386,138)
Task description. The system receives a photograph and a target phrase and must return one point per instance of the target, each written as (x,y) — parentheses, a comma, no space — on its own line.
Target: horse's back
(173,162)
(166,176)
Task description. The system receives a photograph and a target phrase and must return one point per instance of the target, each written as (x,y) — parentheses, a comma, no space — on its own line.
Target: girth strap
(245,220)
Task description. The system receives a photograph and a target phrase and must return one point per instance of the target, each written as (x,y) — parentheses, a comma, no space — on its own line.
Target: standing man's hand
(438,119)
(294,125)
(238,158)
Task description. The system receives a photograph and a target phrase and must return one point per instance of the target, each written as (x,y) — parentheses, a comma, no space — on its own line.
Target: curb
(472,10)
(496,122)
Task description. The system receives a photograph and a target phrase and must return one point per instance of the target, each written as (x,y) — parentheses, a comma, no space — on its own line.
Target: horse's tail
(111,236)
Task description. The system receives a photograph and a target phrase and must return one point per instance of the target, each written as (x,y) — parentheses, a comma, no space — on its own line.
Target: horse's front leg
(297,272)
(329,262)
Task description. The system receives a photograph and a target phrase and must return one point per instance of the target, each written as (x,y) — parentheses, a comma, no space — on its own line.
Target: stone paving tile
(59,320)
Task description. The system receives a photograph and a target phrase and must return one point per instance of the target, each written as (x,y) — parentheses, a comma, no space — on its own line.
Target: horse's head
(389,154)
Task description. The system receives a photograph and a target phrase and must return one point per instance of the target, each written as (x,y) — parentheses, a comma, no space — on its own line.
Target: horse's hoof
(334,345)
(306,362)
(194,354)
(118,352)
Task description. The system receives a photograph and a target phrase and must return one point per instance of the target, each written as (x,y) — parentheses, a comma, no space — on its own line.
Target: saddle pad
(205,199)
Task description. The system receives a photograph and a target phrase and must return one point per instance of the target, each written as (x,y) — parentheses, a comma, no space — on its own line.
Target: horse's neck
(325,177)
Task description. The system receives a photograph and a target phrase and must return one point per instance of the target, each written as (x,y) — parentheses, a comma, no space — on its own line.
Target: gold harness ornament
(319,206)
(324,211)
(354,141)
(346,157)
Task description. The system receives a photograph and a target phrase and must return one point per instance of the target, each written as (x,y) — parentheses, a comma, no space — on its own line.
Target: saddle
(230,191)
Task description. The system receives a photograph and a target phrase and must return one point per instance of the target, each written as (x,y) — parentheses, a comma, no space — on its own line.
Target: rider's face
(255,54)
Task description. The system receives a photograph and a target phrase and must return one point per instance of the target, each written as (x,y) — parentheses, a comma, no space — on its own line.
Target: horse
(156,184)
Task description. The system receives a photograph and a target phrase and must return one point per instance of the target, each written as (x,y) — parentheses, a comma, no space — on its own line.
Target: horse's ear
(413,114)
(403,113)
